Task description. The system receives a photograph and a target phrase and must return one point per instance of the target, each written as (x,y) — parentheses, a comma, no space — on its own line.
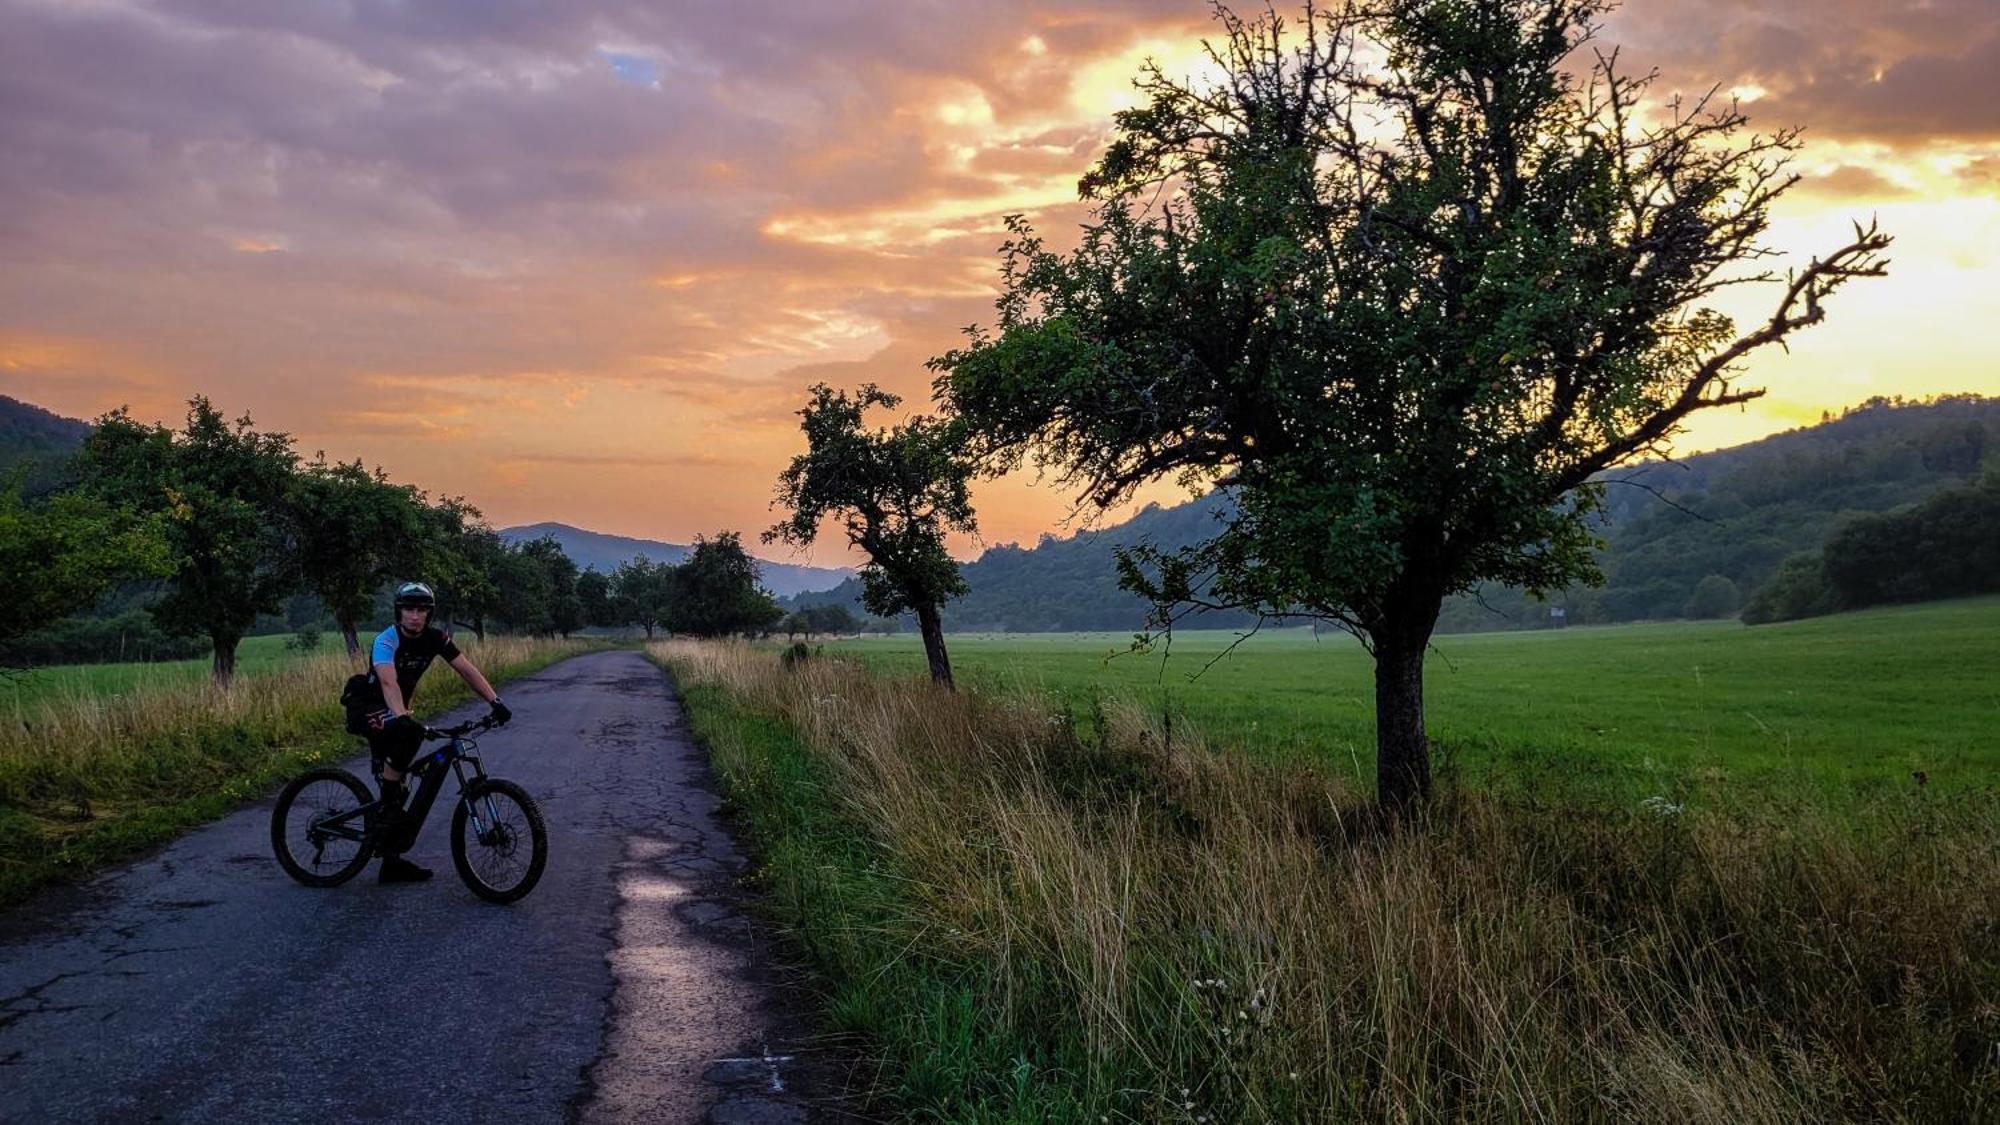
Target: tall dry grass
(1221,940)
(86,745)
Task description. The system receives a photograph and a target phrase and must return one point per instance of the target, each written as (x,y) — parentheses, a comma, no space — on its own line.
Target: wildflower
(1661,807)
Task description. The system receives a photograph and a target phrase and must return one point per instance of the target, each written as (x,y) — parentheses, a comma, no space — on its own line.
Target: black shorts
(396,745)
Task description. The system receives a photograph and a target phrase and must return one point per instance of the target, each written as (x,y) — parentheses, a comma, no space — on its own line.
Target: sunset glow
(579,263)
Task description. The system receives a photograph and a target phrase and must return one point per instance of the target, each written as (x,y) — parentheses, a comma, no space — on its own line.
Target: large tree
(1408,275)
(895,493)
(716,591)
(223,495)
(555,606)
(356,532)
(642,593)
(461,557)
(593,599)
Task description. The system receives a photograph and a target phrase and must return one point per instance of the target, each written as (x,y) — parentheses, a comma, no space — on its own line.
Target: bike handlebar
(487,722)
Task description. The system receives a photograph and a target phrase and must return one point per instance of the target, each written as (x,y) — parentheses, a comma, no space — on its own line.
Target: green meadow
(1855,701)
(25,689)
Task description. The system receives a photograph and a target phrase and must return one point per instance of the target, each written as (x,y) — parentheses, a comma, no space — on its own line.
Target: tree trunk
(933,630)
(225,658)
(348,633)
(1402,749)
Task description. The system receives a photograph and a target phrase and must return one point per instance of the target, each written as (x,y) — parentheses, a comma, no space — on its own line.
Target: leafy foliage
(1946,546)
(1411,348)
(895,493)
(537,585)
(221,492)
(69,553)
(593,598)
(643,593)
(461,557)
(823,618)
(716,592)
(1667,526)
(356,531)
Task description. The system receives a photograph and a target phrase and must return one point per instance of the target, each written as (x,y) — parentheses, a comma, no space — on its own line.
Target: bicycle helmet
(415,594)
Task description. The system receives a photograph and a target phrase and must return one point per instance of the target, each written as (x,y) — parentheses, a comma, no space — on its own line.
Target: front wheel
(319,829)
(498,841)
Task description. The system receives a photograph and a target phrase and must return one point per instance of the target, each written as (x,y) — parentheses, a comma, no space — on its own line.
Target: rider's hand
(500,712)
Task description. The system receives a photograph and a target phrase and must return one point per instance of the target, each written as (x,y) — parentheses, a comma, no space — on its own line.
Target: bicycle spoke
(500,860)
(316,849)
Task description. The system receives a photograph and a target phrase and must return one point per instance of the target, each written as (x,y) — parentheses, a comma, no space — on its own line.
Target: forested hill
(603,553)
(1740,513)
(35,438)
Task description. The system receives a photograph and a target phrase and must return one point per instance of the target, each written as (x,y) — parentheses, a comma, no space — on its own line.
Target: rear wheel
(498,841)
(317,828)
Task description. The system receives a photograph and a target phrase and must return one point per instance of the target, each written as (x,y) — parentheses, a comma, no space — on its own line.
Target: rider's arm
(462,664)
(392,692)
(383,656)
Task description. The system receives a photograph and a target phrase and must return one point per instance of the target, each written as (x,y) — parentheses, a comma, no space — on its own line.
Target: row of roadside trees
(231,521)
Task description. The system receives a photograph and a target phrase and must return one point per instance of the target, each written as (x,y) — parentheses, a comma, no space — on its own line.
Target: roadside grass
(1040,913)
(99,771)
(1854,704)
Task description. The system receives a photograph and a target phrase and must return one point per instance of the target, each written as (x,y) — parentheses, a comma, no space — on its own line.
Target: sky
(580,261)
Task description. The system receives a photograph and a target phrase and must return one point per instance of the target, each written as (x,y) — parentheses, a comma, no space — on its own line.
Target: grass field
(1862,699)
(98,681)
(1024,918)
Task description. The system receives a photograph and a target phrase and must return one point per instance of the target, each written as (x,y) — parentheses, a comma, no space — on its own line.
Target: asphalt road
(201,984)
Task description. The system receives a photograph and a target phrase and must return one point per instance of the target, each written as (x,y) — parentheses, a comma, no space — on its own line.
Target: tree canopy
(67,554)
(1408,275)
(222,495)
(716,591)
(356,531)
(895,492)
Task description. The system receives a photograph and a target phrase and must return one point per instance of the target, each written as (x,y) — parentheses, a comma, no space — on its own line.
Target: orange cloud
(581,264)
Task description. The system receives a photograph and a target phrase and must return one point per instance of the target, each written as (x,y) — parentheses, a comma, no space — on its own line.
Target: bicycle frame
(431,769)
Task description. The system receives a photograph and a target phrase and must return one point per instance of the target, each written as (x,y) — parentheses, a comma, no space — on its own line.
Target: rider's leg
(393,755)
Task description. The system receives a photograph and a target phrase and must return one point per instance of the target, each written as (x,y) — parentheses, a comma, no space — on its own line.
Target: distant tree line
(831,620)
(714,592)
(165,542)
(1945,547)
(208,529)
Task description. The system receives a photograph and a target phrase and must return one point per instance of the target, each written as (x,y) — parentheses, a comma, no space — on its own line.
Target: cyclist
(401,654)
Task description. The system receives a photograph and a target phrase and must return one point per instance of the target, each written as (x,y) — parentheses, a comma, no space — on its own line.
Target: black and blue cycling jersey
(410,655)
